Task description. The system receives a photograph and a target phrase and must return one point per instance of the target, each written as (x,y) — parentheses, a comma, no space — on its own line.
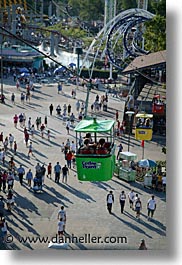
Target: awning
(94,126)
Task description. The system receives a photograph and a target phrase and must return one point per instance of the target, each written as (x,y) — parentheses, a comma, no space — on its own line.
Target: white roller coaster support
(103,34)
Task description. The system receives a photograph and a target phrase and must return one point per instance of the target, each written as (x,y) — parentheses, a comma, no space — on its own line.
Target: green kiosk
(123,166)
(95,149)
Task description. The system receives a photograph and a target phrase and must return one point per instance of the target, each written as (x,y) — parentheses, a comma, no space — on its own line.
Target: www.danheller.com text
(84,239)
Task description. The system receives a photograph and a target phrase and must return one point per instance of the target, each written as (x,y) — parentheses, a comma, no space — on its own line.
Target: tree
(155,34)
(158,7)
(87,10)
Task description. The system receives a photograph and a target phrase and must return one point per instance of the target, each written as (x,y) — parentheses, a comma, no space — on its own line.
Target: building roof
(146,61)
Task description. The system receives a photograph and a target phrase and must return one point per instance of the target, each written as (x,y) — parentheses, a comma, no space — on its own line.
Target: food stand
(148,179)
(148,165)
(123,167)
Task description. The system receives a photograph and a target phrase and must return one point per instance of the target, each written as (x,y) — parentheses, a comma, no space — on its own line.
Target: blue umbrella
(25,74)
(59,69)
(72,65)
(147,163)
(23,70)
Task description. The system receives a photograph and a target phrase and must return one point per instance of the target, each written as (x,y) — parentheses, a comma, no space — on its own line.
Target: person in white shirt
(61,227)
(62,215)
(73,147)
(151,206)
(122,199)
(68,126)
(11,140)
(110,201)
(131,197)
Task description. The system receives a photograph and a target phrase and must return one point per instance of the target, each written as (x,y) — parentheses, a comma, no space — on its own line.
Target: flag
(142,143)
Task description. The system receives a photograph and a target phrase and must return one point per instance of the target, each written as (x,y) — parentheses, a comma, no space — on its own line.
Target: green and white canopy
(94,126)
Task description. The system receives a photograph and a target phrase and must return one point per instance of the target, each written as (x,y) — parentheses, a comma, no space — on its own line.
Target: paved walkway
(35,215)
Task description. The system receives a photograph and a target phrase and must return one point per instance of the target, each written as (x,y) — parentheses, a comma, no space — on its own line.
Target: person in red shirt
(4,178)
(26,134)
(15,118)
(69,156)
(49,170)
(42,128)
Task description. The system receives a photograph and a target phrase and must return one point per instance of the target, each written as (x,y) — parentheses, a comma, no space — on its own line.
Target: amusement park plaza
(35,214)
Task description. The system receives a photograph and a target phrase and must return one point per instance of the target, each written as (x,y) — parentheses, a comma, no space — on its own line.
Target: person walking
(43,171)
(13,98)
(78,106)
(45,121)
(60,227)
(68,126)
(42,128)
(15,147)
(122,199)
(26,135)
(51,109)
(21,172)
(37,123)
(59,87)
(65,172)
(138,207)
(48,135)
(10,180)
(29,177)
(11,140)
(22,98)
(57,171)
(1,137)
(30,150)
(15,119)
(32,130)
(49,170)
(4,180)
(131,197)
(151,206)
(117,115)
(69,110)
(120,149)
(62,214)
(69,156)
(29,123)
(110,201)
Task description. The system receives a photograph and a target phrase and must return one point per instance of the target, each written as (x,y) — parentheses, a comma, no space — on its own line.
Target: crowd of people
(135,203)
(34,177)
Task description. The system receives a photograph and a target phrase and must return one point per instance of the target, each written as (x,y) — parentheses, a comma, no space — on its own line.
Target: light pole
(79,51)
(129,113)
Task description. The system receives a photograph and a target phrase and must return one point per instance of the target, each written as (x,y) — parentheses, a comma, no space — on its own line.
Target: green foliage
(87,10)
(72,32)
(159,7)
(155,34)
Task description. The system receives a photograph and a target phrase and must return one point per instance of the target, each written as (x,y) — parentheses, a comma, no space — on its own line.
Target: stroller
(37,184)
